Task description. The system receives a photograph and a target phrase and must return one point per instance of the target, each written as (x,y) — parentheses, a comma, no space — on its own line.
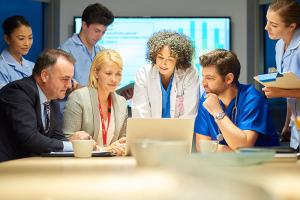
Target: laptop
(159,129)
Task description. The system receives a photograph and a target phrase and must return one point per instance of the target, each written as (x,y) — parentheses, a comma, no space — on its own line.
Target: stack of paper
(286,80)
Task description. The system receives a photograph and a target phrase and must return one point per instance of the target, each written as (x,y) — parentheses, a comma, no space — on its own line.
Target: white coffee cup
(208,146)
(145,152)
(151,153)
(82,148)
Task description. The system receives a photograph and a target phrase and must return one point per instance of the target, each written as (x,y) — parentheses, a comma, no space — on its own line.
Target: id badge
(179,107)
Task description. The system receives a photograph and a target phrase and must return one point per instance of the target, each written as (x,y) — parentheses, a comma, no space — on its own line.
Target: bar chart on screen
(129,35)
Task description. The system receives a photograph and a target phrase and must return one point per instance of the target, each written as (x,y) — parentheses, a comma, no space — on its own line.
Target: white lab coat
(147,98)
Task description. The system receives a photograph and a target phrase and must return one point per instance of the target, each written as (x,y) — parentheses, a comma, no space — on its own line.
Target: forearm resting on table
(224,148)
(234,136)
(221,147)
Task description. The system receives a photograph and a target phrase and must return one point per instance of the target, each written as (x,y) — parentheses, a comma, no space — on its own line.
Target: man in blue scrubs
(83,46)
(235,114)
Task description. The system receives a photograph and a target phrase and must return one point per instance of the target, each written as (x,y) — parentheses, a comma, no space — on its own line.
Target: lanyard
(105,130)
(91,56)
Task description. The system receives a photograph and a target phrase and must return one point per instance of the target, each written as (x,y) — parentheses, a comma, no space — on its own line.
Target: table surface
(120,178)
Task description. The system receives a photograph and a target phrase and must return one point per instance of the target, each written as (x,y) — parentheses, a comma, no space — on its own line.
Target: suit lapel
(117,110)
(37,106)
(96,116)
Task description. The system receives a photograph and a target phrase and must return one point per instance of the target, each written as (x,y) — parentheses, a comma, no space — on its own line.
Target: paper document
(286,80)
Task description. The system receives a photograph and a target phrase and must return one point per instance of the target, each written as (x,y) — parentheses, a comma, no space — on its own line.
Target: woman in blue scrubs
(18,37)
(283,22)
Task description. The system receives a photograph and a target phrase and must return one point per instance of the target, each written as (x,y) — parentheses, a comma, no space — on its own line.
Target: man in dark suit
(28,125)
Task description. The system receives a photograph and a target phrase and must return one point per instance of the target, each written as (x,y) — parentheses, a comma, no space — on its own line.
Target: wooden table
(120,178)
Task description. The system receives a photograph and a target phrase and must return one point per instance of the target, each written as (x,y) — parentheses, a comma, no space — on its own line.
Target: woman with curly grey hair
(169,86)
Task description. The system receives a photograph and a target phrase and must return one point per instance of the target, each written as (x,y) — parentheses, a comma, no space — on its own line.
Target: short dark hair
(288,10)
(48,58)
(13,22)
(180,46)
(225,61)
(97,14)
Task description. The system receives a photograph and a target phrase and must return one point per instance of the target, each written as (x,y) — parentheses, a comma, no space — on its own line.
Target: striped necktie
(47,116)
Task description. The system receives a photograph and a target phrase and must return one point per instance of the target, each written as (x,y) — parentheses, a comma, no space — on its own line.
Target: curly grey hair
(180,46)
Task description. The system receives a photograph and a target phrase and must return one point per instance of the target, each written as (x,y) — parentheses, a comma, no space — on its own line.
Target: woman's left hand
(273,92)
(118,147)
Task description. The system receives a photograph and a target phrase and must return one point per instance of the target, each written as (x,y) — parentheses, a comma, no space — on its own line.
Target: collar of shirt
(9,59)
(42,96)
(230,106)
(281,54)
(76,39)
(295,40)
(43,99)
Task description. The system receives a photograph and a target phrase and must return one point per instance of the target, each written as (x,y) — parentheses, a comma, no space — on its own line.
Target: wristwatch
(219,115)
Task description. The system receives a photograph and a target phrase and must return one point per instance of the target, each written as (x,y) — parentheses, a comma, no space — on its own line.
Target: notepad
(286,80)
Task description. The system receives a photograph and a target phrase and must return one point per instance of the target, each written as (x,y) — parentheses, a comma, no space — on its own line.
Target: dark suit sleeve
(20,111)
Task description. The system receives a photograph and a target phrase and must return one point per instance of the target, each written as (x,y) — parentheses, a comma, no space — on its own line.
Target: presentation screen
(129,35)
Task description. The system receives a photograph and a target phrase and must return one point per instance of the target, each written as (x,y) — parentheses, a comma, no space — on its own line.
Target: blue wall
(33,12)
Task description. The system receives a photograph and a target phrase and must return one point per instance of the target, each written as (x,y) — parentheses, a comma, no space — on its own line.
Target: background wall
(242,12)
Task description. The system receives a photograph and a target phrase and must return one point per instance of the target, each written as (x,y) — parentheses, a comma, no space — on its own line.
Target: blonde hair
(101,59)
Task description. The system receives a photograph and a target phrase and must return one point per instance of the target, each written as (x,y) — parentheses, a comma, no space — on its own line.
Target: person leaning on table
(28,110)
(169,86)
(97,109)
(235,113)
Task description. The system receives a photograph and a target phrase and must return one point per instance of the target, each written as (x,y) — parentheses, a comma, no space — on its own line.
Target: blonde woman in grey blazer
(97,109)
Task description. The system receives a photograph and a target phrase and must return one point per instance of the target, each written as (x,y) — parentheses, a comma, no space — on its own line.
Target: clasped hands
(118,147)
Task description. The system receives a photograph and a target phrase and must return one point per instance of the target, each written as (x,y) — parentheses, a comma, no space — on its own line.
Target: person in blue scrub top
(18,37)
(283,24)
(235,114)
(83,46)
(169,86)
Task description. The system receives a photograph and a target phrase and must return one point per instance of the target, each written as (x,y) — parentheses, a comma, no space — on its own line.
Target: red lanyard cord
(105,130)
